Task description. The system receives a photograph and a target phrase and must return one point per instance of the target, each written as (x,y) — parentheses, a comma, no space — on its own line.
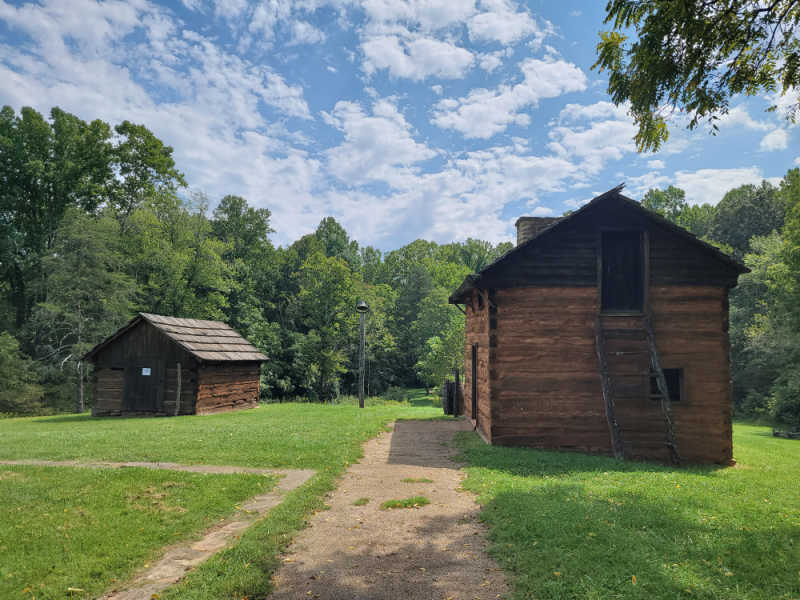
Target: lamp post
(362,309)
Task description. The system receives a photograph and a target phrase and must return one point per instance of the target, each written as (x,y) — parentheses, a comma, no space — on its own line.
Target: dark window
(674,379)
(623,271)
(480,301)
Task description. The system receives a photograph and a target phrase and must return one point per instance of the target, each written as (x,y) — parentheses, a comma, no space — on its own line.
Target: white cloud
(489,62)
(595,133)
(502,22)
(376,147)
(305,33)
(428,15)
(484,113)
(593,112)
(638,186)
(738,117)
(797,161)
(777,139)
(542,211)
(437,89)
(415,57)
(709,185)
(655,164)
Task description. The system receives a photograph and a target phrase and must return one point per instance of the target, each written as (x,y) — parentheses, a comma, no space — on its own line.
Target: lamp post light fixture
(362,309)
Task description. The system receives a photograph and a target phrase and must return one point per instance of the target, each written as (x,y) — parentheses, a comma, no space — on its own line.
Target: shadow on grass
(69,418)
(534,461)
(576,526)
(561,541)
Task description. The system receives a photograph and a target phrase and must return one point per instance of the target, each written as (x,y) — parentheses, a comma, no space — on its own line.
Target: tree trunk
(81,404)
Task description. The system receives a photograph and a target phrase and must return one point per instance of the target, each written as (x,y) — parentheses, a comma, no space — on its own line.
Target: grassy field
(324,438)
(65,529)
(572,526)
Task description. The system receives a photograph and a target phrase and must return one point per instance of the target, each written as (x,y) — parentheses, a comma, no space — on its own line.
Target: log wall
(545,383)
(477,332)
(108,387)
(228,386)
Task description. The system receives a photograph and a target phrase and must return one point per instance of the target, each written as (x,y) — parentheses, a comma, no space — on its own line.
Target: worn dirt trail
(178,559)
(437,551)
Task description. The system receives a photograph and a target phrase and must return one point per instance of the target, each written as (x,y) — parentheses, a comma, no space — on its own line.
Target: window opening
(674,379)
(622,271)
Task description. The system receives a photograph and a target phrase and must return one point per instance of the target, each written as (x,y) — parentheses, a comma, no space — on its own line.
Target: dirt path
(363,552)
(180,558)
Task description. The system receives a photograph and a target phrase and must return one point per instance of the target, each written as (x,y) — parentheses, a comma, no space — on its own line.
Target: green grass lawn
(308,436)
(567,525)
(65,529)
(324,438)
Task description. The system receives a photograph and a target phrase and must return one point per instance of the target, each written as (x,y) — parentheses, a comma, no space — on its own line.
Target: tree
(669,203)
(326,303)
(444,354)
(86,295)
(336,242)
(176,260)
(746,212)
(20,392)
(45,167)
(250,258)
(144,166)
(694,55)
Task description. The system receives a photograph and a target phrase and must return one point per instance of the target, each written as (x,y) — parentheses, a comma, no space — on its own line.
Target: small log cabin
(605,331)
(157,365)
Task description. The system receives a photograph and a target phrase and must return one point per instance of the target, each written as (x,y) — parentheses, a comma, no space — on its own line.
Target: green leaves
(693,56)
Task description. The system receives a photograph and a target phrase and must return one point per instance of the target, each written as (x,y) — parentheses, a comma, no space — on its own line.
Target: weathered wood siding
(188,389)
(545,385)
(108,386)
(227,387)
(569,256)
(477,331)
(546,381)
(143,345)
(691,331)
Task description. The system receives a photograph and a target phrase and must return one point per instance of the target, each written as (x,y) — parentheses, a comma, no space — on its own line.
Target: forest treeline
(97,223)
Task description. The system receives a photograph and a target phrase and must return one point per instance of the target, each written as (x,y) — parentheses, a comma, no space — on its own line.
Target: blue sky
(440,119)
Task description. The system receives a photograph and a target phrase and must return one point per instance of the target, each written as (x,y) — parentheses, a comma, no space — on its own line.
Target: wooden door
(622,282)
(475,382)
(142,387)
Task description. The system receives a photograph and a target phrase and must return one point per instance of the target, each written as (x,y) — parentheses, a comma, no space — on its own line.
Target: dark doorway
(475,382)
(623,271)
(142,383)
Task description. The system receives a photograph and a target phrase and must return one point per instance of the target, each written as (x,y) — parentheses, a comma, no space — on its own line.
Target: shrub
(20,392)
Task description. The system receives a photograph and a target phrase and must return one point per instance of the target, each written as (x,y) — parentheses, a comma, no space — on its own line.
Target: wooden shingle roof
(212,341)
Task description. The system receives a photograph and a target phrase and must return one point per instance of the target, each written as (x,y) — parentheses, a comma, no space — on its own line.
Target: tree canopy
(694,55)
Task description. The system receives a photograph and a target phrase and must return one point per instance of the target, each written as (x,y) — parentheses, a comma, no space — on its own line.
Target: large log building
(157,365)
(604,331)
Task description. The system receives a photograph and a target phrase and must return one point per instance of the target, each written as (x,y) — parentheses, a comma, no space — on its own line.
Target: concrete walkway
(437,551)
(178,559)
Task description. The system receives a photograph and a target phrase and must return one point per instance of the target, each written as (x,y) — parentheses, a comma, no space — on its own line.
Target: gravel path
(436,551)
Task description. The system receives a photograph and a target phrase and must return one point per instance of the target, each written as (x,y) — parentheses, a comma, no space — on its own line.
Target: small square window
(146,371)
(674,379)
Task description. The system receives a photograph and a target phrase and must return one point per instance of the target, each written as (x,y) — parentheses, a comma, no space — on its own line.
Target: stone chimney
(528,227)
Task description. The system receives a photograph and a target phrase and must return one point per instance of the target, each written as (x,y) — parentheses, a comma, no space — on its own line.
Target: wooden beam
(663,390)
(613,427)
